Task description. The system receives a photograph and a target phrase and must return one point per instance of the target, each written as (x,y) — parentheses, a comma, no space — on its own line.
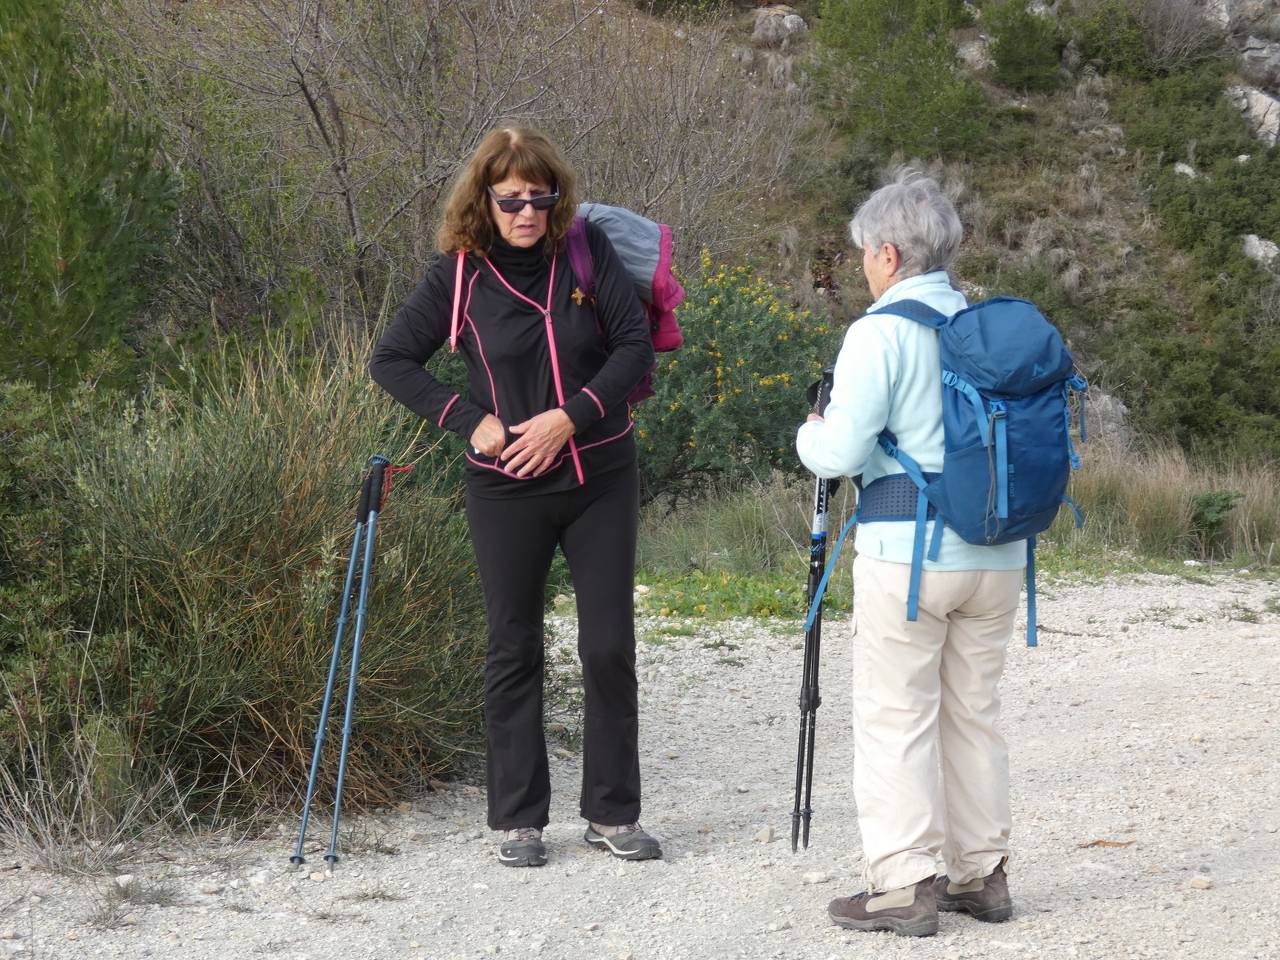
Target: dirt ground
(1145,747)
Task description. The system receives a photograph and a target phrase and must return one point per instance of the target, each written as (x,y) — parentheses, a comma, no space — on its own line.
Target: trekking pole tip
(297,861)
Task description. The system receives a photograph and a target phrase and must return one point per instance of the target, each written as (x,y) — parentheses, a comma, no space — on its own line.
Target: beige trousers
(931,771)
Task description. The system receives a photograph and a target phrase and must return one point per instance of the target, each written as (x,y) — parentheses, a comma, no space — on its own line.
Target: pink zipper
(551,342)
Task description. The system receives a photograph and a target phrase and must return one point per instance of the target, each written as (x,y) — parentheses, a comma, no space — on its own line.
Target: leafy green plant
(85,203)
(1209,513)
(727,405)
(887,75)
(214,532)
(1025,47)
(1110,32)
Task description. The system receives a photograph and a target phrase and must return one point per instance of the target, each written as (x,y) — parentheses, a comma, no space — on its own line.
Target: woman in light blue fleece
(925,692)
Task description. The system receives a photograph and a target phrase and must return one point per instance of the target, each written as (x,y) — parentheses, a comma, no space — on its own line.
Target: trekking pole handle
(377,471)
(819,392)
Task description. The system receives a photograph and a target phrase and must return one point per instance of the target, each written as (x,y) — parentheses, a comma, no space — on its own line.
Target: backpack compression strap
(580,261)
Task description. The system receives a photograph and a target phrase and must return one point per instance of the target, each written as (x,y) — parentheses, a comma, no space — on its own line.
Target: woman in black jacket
(550,461)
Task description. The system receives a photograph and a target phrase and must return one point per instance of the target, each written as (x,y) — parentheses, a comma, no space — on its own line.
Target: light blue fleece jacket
(888,375)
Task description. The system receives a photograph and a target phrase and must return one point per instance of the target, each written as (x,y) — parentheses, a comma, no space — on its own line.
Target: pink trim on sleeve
(447,407)
(596,399)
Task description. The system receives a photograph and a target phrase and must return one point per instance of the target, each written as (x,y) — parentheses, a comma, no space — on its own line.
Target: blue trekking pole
(372,494)
(379,465)
(362,511)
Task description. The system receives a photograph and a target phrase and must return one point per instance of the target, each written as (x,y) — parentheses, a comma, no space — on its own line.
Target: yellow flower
(675,405)
(643,433)
(691,444)
(714,301)
(741,362)
(774,308)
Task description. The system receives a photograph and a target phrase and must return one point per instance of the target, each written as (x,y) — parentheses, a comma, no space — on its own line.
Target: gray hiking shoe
(522,847)
(986,898)
(626,842)
(908,912)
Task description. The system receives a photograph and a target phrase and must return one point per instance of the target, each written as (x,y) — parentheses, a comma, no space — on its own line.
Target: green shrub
(727,405)
(887,75)
(215,534)
(1209,512)
(84,202)
(1207,373)
(1025,47)
(1182,117)
(1110,32)
(1144,39)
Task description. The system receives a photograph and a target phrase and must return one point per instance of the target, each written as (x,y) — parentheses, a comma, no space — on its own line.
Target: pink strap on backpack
(457,302)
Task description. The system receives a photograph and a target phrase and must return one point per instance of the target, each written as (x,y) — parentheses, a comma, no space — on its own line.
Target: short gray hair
(912,213)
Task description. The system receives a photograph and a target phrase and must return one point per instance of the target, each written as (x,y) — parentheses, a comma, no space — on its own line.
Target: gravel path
(1147,720)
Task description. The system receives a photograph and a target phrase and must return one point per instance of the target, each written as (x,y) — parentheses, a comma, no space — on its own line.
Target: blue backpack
(1006,419)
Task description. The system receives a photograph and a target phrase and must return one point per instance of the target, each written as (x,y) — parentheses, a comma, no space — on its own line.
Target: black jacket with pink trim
(600,354)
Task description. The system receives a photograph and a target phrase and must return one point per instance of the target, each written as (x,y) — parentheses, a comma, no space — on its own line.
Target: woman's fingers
(488,437)
(537,442)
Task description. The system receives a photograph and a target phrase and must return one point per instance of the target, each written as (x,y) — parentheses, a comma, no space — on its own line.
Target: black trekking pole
(372,493)
(810,698)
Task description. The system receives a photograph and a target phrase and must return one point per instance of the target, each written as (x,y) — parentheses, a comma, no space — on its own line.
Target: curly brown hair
(506,151)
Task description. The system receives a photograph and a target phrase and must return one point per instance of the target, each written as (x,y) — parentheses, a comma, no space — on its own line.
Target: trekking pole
(362,511)
(378,466)
(373,492)
(810,698)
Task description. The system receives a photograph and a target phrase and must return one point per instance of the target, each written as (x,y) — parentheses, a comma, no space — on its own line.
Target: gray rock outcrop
(1261,111)
(778,27)
(1106,418)
(1259,250)
(1260,62)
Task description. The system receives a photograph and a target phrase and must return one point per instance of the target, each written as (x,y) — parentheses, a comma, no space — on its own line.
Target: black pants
(515,540)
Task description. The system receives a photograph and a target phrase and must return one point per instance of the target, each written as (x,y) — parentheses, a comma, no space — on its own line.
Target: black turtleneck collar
(523,263)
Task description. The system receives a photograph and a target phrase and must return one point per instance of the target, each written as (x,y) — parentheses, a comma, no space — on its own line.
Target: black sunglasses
(515,204)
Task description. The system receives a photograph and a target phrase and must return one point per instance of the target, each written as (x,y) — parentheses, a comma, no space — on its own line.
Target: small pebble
(816,876)
(764,835)
(319,876)
(1201,883)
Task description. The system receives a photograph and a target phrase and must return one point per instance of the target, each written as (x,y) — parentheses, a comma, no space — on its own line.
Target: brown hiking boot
(986,898)
(908,911)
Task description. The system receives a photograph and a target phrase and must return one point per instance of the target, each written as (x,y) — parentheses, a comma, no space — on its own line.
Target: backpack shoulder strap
(580,261)
(915,310)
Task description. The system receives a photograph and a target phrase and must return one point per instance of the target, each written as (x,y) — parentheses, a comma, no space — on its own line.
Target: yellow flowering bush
(727,404)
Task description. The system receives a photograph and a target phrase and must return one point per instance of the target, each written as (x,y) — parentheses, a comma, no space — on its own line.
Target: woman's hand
(489,436)
(539,439)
